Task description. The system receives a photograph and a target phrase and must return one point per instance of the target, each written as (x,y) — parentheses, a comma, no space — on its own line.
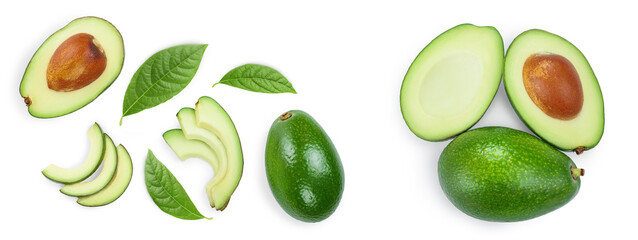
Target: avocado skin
(303,168)
(505,175)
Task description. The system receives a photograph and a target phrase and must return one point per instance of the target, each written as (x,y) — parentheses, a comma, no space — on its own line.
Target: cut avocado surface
(211,116)
(87,168)
(118,184)
(452,82)
(188,122)
(102,179)
(554,90)
(185,149)
(72,67)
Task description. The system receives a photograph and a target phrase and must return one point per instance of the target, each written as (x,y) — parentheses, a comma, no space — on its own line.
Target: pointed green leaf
(161,77)
(257,78)
(167,193)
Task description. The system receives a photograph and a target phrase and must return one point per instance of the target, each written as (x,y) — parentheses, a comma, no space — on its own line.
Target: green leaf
(257,78)
(167,193)
(161,77)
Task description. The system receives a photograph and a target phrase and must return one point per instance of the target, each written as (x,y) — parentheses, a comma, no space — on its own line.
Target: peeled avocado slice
(185,149)
(188,122)
(118,184)
(87,168)
(452,82)
(563,105)
(108,170)
(210,115)
(72,67)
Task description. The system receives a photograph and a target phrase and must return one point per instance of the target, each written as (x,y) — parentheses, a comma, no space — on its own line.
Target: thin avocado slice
(211,116)
(72,67)
(92,162)
(187,120)
(108,170)
(118,184)
(185,149)
(553,89)
(452,82)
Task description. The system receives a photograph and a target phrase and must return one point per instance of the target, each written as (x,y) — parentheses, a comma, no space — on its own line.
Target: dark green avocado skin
(505,175)
(303,168)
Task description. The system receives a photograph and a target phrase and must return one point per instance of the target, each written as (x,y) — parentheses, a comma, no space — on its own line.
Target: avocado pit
(76,63)
(553,84)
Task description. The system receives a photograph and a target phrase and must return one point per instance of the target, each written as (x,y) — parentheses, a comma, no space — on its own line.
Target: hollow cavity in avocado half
(452,82)
(72,67)
(554,90)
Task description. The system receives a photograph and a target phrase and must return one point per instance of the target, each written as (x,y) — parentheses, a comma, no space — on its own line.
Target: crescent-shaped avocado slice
(92,162)
(118,184)
(187,120)
(97,184)
(185,149)
(211,116)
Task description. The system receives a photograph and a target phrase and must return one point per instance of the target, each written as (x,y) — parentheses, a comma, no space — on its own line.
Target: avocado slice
(505,175)
(554,90)
(118,184)
(104,177)
(92,162)
(211,116)
(72,67)
(188,122)
(452,82)
(185,149)
(303,167)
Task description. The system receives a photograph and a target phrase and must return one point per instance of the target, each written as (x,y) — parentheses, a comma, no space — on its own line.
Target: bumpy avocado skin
(303,167)
(505,175)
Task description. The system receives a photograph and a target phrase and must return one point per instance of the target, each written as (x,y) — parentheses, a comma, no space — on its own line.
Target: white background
(347,60)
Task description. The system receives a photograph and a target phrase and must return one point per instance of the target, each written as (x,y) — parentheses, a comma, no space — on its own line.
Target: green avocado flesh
(580,127)
(118,184)
(303,167)
(92,162)
(185,149)
(64,75)
(210,124)
(505,175)
(102,179)
(452,82)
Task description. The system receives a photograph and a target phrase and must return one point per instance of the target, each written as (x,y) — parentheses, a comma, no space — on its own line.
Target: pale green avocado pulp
(44,102)
(452,82)
(580,133)
(210,124)
(185,149)
(92,162)
(118,184)
(102,179)
(210,115)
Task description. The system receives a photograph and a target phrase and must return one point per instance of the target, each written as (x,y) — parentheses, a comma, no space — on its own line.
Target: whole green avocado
(303,167)
(505,175)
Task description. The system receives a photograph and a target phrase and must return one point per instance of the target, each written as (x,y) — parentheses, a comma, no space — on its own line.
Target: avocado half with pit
(452,82)
(553,89)
(72,67)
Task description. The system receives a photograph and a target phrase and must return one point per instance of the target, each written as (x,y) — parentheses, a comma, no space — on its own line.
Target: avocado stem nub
(27,101)
(577,172)
(580,150)
(285,116)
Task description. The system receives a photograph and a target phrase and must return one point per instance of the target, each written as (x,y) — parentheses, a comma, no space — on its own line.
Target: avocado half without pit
(72,67)
(554,90)
(452,82)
